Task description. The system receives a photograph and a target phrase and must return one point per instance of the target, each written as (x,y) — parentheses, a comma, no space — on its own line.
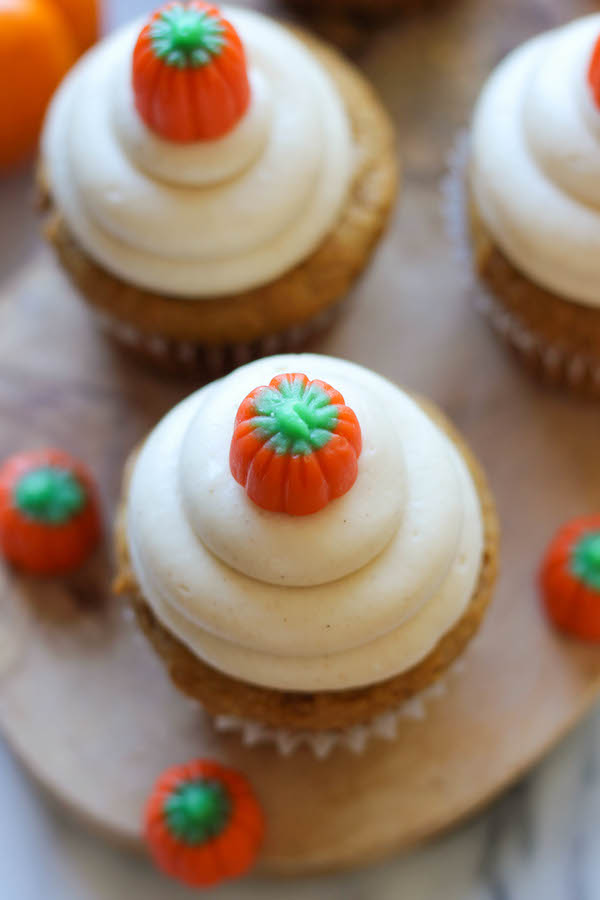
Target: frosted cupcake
(215,182)
(305,545)
(534,177)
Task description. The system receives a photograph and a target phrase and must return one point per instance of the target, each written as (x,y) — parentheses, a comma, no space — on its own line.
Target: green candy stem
(49,495)
(585,559)
(197,811)
(295,418)
(186,37)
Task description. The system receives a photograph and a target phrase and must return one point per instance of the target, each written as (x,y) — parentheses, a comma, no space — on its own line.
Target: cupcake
(215,183)
(533,176)
(305,545)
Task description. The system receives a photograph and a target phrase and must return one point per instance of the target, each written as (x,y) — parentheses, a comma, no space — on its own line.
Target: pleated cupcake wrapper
(552,361)
(355,739)
(209,360)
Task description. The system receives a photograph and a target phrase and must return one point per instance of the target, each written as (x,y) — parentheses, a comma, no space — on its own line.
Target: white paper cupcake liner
(354,739)
(208,360)
(552,361)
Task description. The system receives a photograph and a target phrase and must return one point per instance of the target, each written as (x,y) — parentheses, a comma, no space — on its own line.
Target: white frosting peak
(207,218)
(350,595)
(535,164)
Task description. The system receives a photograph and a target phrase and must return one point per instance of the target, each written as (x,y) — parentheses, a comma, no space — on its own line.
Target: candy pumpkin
(39,40)
(295,445)
(594,73)
(203,823)
(570,578)
(189,73)
(49,518)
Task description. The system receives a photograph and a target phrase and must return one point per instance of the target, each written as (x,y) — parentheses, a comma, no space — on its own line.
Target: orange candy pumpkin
(203,823)
(39,41)
(189,73)
(295,445)
(49,517)
(594,73)
(570,578)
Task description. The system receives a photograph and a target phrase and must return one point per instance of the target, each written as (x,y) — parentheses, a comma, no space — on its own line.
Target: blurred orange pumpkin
(39,41)
(203,823)
(49,514)
(570,578)
(82,18)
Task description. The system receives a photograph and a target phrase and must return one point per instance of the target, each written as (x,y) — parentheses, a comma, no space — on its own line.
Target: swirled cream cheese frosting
(207,217)
(353,593)
(535,161)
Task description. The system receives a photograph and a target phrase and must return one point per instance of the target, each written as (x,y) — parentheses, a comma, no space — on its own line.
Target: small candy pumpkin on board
(49,516)
(295,445)
(203,823)
(189,73)
(39,41)
(570,578)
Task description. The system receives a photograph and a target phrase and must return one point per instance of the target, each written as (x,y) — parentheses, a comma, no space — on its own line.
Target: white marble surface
(540,841)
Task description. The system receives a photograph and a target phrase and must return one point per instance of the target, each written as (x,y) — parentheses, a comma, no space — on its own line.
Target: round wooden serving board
(83,700)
